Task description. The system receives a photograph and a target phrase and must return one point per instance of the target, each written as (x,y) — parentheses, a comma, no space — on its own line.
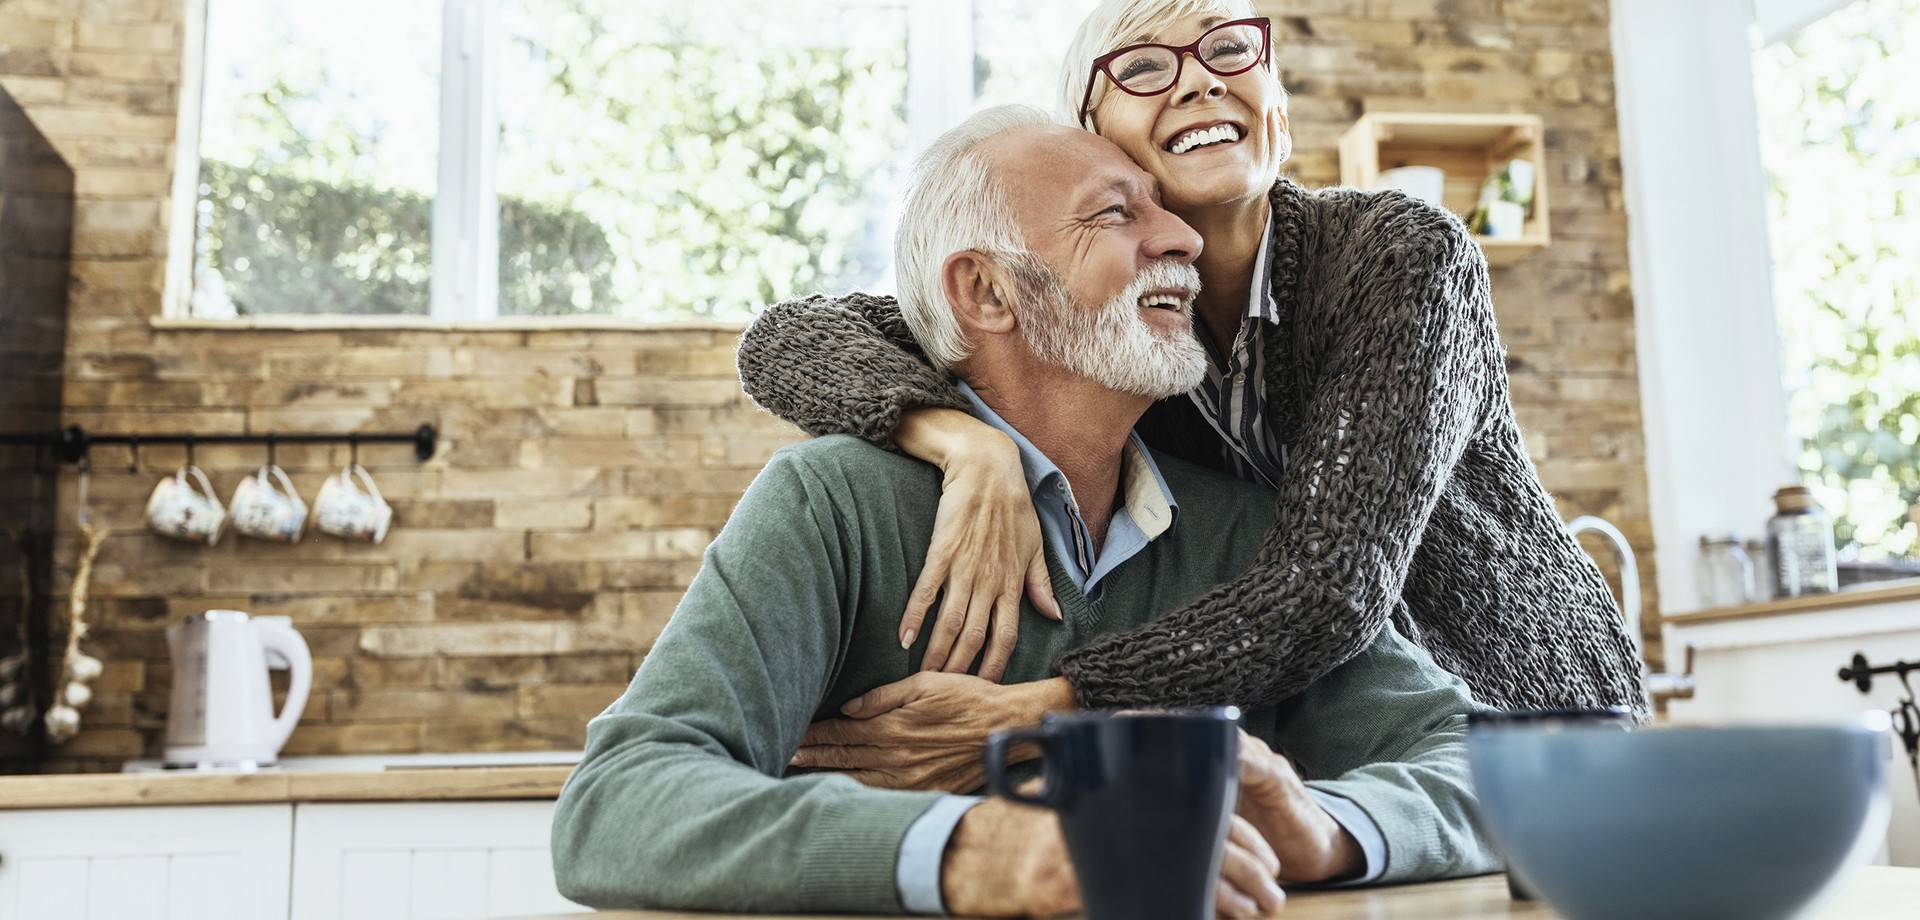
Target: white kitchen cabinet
(160,862)
(1759,665)
(423,861)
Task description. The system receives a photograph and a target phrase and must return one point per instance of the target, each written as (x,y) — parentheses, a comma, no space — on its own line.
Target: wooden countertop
(1870,893)
(1905,590)
(408,785)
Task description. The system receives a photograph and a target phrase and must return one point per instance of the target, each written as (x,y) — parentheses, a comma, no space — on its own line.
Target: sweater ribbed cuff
(853,849)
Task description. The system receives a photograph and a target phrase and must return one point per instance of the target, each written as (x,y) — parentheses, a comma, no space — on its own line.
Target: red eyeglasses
(1151,69)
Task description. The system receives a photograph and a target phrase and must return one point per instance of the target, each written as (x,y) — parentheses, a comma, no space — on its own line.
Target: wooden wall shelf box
(1468,147)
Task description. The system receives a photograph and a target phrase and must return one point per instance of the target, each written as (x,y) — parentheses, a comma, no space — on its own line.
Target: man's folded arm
(1389,728)
(679,801)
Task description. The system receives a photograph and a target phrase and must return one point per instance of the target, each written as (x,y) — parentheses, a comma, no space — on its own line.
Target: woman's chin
(1186,195)
(1209,179)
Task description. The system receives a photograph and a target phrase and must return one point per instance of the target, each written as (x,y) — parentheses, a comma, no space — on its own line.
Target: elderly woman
(1356,369)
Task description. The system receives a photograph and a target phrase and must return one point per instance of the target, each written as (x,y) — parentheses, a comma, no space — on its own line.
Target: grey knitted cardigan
(1406,491)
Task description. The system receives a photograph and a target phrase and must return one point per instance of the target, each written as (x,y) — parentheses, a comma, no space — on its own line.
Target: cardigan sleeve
(1409,367)
(840,365)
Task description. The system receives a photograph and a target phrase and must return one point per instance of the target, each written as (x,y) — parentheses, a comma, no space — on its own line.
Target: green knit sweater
(682,802)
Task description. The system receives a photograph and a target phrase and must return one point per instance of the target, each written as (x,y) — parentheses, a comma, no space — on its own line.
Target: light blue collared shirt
(1148,511)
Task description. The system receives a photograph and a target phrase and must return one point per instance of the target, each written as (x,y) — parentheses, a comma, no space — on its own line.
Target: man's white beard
(1114,346)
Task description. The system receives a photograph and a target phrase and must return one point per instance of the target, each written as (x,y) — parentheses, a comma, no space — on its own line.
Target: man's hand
(928,731)
(1009,860)
(1247,886)
(1311,845)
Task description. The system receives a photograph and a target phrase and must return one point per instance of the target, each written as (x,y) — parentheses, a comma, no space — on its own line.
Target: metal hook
(353,450)
(270,450)
(133,448)
(190,450)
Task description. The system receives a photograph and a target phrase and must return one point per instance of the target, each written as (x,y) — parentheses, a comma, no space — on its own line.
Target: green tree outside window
(1840,130)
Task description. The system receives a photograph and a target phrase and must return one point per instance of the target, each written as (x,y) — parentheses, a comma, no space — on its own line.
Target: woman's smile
(1205,136)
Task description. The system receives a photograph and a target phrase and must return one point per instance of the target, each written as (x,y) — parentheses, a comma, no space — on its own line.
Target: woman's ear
(980,291)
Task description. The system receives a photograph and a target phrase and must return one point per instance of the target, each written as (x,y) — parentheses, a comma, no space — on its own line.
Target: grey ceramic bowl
(1702,823)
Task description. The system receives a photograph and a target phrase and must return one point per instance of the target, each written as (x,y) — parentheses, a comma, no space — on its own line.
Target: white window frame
(1712,400)
(1708,345)
(466,204)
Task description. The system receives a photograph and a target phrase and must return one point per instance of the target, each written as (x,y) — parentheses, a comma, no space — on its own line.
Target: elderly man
(1038,266)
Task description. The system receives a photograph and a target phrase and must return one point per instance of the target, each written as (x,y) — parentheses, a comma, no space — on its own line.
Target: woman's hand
(928,731)
(986,550)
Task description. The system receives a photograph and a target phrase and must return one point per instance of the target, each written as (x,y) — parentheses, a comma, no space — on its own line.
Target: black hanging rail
(1905,713)
(74,443)
(1862,673)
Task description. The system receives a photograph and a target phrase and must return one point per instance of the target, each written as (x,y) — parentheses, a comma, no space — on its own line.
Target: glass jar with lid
(1800,540)
(1724,570)
(1763,567)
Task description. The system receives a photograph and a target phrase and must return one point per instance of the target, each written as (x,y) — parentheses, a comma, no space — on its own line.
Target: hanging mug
(178,510)
(345,509)
(264,511)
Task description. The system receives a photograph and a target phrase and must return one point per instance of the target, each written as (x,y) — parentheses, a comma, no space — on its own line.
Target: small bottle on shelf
(1763,569)
(1724,571)
(1800,542)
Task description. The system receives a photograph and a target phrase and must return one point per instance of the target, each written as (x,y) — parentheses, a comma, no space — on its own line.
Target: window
(318,158)
(649,159)
(1840,135)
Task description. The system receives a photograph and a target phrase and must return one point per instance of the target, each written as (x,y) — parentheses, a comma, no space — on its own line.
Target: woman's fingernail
(906,639)
(852,707)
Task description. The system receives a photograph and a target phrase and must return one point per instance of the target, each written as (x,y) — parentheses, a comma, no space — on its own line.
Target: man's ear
(980,291)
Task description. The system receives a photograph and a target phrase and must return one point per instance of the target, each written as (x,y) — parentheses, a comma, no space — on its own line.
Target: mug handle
(360,472)
(206,488)
(286,485)
(996,764)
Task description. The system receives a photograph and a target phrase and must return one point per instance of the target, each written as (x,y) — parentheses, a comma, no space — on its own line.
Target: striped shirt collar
(1146,511)
(1260,302)
(1233,395)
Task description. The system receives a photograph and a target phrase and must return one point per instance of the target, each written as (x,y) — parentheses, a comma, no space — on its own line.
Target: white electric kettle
(222,714)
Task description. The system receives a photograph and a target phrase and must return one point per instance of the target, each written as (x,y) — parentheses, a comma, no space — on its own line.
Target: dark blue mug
(1145,802)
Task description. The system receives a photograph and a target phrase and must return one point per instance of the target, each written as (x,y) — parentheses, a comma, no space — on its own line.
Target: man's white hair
(954,203)
(1124,22)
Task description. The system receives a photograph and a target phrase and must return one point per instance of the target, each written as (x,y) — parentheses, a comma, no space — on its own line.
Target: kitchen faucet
(1660,687)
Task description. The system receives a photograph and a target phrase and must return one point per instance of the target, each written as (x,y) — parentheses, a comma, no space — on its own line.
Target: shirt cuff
(1356,821)
(917,874)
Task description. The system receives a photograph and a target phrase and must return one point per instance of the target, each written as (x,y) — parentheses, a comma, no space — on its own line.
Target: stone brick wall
(535,558)
(1566,314)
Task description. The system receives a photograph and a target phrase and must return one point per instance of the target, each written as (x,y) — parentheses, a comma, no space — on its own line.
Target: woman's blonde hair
(1124,22)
